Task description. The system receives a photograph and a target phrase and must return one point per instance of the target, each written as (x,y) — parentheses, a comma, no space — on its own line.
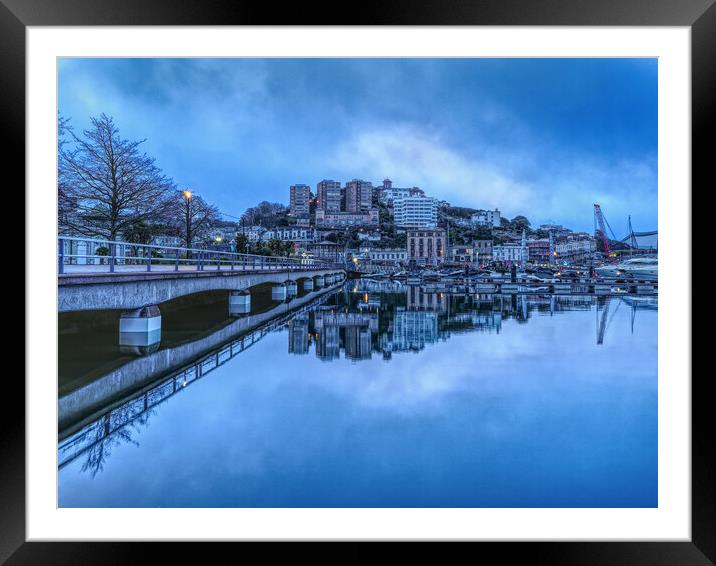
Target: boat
(533,278)
(641,303)
(641,268)
(452,273)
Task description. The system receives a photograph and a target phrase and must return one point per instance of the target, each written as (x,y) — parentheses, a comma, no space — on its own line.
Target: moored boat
(641,268)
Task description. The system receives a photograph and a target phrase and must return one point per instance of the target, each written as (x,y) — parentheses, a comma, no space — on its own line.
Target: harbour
(384,351)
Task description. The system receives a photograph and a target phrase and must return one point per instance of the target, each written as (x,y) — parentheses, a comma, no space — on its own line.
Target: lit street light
(187,196)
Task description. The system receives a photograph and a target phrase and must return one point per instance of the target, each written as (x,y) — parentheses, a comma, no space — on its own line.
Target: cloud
(476,133)
(545,185)
(419,158)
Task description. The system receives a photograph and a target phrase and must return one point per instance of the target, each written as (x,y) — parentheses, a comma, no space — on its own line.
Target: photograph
(358,282)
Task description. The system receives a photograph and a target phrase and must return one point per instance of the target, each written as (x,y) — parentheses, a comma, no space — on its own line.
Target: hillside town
(362,225)
(380,225)
(366,225)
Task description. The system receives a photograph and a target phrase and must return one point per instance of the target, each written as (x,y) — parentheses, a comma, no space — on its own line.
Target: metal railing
(113,256)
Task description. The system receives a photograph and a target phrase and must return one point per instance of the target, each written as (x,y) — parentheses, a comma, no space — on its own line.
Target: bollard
(239,302)
(278,292)
(140,330)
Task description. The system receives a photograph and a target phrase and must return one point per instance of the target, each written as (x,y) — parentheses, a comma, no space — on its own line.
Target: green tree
(519,223)
(242,243)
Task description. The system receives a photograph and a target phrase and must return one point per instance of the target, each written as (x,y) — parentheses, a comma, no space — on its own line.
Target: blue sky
(541,137)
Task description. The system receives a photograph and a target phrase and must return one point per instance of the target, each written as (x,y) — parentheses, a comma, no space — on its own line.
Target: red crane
(600,228)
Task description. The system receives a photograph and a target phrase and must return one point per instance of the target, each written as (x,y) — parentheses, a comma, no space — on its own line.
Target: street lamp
(187,196)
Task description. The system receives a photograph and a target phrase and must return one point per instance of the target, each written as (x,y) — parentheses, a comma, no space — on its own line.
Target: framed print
(393,278)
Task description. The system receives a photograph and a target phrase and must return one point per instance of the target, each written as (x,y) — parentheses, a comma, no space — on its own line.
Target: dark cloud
(540,137)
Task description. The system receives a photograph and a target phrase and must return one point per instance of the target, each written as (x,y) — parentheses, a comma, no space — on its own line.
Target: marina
(429,310)
(375,349)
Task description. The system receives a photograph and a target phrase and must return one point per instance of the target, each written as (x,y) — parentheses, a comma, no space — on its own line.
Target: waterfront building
(461,254)
(359,196)
(324,250)
(510,253)
(346,219)
(388,256)
(426,247)
(166,241)
(300,196)
(297,234)
(539,251)
(488,218)
(575,248)
(482,250)
(415,212)
(329,194)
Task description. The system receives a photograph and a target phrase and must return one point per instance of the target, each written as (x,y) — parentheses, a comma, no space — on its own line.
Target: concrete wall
(130,291)
(142,371)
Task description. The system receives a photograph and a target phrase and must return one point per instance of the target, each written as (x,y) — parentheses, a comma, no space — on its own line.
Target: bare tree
(193,216)
(111,184)
(66,204)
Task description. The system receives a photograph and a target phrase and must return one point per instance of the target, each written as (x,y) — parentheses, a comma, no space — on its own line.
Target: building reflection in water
(384,318)
(366,318)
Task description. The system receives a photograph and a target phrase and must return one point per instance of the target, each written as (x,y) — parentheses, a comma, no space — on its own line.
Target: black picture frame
(699,15)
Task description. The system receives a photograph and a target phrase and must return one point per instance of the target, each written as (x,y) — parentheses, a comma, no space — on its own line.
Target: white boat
(635,268)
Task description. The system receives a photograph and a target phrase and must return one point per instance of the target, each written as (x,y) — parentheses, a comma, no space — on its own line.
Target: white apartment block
(290,234)
(570,248)
(416,212)
(347,219)
(490,218)
(391,194)
(392,256)
(253,233)
(508,252)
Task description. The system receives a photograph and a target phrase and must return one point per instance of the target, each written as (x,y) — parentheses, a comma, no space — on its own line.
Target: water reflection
(414,356)
(372,317)
(95,440)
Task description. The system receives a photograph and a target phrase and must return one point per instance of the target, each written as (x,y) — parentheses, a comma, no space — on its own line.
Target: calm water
(384,397)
